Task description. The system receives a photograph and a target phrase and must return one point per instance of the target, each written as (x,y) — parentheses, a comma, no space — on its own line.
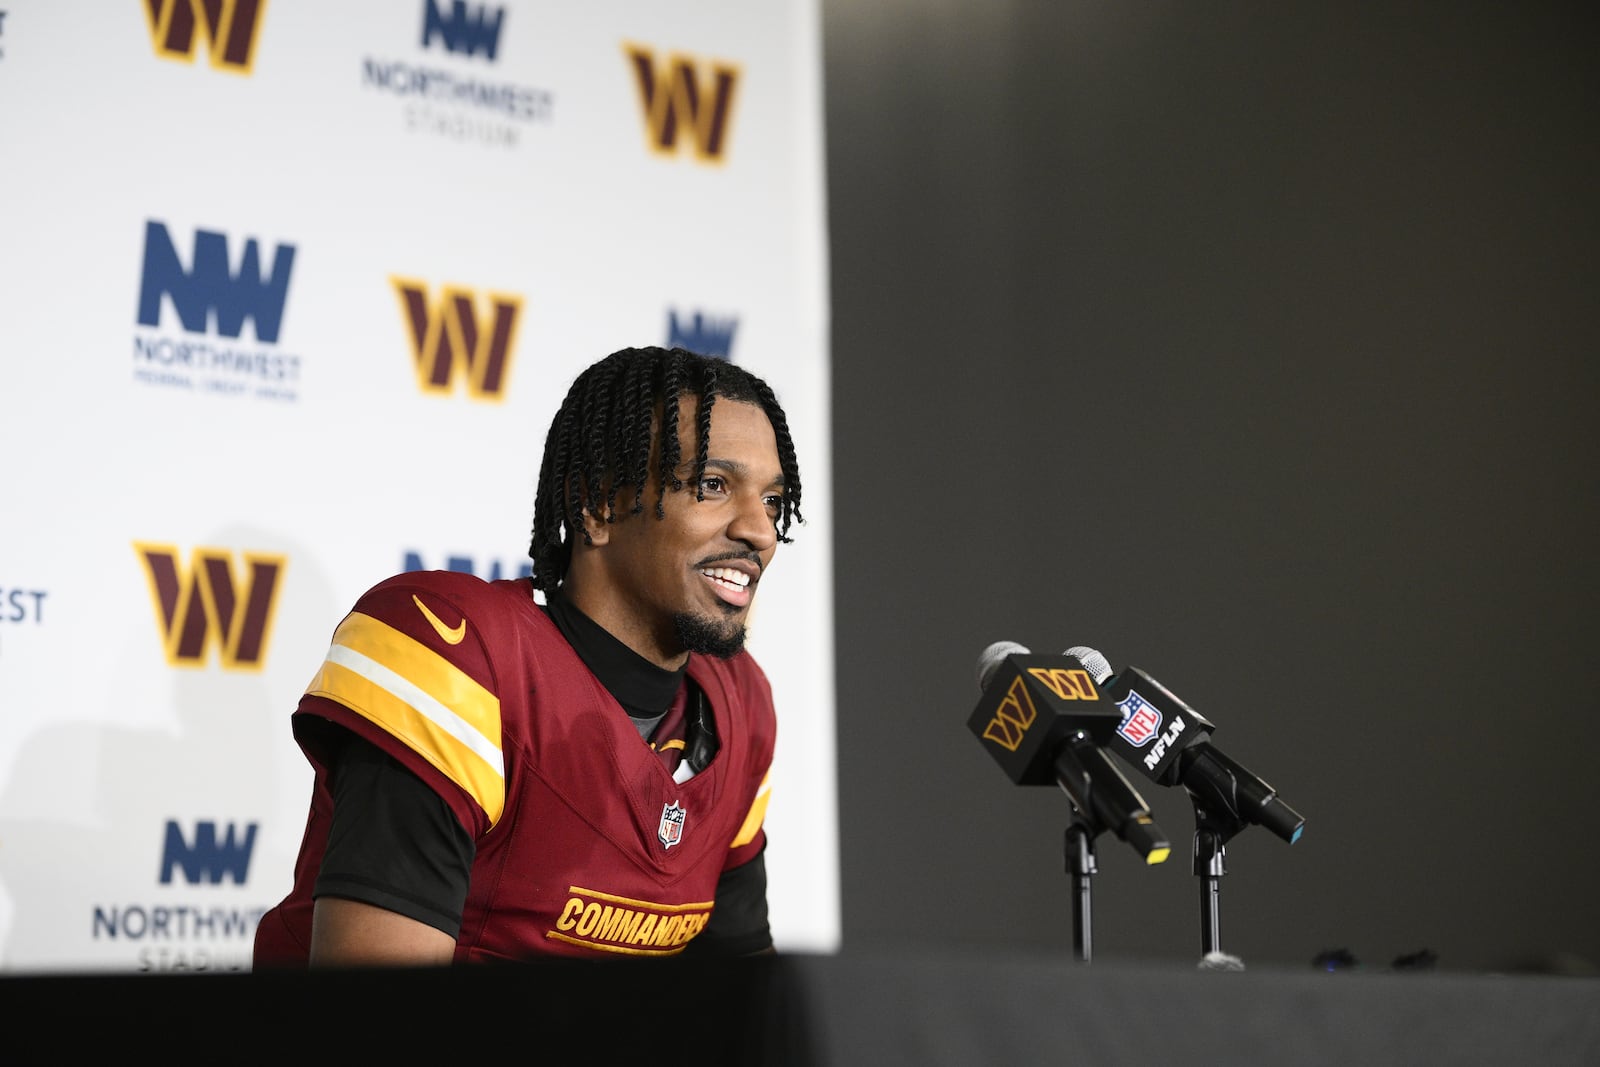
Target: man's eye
(712,483)
(774,504)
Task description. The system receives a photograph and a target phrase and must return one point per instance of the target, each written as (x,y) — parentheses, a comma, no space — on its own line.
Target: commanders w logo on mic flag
(1030,706)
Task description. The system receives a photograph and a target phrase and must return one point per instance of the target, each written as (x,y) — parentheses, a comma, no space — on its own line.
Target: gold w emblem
(1013,717)
(230,25)
(209,603)
(678,98)
(449,336)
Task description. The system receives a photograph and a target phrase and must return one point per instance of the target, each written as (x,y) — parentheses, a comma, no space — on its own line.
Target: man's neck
(641,686)
(622,623)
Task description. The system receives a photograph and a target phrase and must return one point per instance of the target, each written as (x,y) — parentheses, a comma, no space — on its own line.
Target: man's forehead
(723,412)
(742,439)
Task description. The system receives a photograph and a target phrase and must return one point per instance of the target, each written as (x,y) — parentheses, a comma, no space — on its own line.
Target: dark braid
(600,442)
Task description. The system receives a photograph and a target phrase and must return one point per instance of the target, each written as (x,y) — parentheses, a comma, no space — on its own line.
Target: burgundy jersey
(585,845)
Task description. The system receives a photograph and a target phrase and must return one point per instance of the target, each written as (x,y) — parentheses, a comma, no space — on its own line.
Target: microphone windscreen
(1098,666)
(989,660)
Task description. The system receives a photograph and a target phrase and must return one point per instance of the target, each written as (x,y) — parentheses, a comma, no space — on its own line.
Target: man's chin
(722,638)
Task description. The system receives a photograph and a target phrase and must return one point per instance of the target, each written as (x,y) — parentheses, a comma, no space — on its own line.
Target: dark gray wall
(1253,344)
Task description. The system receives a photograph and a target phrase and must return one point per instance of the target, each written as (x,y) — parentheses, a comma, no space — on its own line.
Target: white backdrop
(266,434)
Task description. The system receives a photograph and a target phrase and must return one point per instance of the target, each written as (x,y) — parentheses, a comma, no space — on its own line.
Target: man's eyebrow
(739,469)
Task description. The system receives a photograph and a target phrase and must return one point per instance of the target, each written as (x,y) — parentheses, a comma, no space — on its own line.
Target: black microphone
(1044,724)
(1170,742)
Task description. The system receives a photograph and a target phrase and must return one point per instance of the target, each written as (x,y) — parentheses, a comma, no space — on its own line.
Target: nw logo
(678,102)
(229,25)
(707,336)
(1013,717)
(449,335)
(211,287)
(207,859)
(463,30)
(412,561)
(209,603)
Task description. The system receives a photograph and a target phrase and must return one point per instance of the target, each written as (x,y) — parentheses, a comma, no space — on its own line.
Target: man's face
(684,583)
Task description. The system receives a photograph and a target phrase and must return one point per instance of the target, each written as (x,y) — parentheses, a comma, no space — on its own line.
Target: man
(499,779)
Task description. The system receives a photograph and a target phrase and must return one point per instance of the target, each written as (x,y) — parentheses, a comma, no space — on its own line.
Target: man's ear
(598,529)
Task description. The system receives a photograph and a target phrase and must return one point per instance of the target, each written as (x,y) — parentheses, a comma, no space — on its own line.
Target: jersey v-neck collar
(644,690)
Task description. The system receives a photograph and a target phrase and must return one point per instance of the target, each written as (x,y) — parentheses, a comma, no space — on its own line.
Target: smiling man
(499,778)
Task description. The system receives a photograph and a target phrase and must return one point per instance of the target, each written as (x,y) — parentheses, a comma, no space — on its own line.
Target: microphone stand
(1214,827)
(1100,796)
(1081,865)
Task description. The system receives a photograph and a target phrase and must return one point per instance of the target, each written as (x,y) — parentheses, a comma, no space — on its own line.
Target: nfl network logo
(671,829)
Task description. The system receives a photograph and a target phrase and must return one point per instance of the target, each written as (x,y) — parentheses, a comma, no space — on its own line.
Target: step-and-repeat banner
(289,291)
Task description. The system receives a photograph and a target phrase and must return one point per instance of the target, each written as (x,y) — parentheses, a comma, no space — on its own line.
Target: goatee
(723,638)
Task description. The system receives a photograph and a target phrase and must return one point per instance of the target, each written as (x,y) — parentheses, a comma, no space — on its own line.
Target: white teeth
(729,575)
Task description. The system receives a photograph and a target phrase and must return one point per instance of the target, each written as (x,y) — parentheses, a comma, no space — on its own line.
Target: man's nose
(753,525)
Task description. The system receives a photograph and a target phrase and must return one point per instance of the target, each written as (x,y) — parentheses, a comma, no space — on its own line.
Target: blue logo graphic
(25,606)
(211,287)
(465,565)
(699,333)
(22,605)
(206,859)
(465,30)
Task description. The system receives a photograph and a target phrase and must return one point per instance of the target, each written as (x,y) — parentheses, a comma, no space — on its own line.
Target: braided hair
(600,441)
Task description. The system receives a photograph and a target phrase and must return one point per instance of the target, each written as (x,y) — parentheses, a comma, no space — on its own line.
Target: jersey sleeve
(738,925)
(758,723)
(412,672)
(752,836)
(393,842)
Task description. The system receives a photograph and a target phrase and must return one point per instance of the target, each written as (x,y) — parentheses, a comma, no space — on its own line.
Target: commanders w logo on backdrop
(683,101)
(229,25)
(210,602)
(454,334)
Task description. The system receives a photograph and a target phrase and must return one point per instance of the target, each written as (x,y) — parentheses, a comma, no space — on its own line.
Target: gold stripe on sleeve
(758,813)
(421,698)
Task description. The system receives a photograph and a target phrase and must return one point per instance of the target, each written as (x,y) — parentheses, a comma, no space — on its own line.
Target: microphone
(1044,724)
(1169,741)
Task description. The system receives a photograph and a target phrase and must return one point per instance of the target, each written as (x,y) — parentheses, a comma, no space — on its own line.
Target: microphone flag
(1033,704)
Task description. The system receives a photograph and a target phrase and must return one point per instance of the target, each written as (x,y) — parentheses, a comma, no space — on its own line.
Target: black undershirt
(390,829)
(644,690)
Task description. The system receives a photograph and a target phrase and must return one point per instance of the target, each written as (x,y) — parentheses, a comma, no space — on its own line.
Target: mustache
(722,557)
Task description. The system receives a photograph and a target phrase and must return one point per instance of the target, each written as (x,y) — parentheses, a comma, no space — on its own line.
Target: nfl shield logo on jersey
(671,829)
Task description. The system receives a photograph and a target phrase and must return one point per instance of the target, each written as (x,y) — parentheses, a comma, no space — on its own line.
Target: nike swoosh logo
(452,634)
